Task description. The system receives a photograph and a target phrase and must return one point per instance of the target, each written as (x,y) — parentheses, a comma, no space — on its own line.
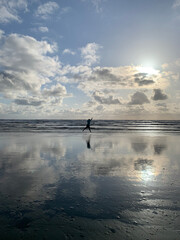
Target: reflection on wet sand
(126,181)
(158,148)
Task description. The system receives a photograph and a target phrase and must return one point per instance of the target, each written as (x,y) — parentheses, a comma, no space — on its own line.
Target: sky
(75,59)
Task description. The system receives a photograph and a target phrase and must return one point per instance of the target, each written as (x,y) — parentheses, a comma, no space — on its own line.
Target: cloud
(104,85)
(43,29)
(55,91)
(65,10)
(176,4)
(46,9)
(158,95)
(138,98)
(114,78)
(96,4)
(1,33)
(141,79)
(25,62)
(107,75)
(12,82)
(68,51)
(99,97)
(32,77)
(53,95)
(89,53)
(30,102)
(9,10)
(29,70)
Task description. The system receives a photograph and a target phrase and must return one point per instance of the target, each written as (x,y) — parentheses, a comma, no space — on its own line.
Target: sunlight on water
(147,175)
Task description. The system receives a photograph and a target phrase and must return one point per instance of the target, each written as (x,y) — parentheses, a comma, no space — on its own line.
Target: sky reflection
(108,171)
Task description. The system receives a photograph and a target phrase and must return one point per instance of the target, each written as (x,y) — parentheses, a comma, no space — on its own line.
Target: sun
(147,69)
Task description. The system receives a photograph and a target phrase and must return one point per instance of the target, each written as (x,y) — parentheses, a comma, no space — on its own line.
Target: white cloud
(46,9)
(45,98)
(114,78)
(68,51)
(76,70)
(1,33)
(109,87)
(176,4)
(9,10)
(32,77)
(65,10)
(27,68)
(43,29)
(89,53)
(55,90)
(96,3)
(25,57)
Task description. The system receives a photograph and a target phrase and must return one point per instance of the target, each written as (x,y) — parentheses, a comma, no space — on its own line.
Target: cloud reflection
(36,167)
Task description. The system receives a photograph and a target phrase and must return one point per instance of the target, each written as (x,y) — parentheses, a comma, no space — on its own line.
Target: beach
(76,185)
(89,120)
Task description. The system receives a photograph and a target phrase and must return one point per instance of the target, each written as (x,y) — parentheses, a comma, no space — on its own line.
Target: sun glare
(147,175)
(147,69)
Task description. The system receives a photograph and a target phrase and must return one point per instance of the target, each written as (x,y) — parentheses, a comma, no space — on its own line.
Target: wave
(97,125)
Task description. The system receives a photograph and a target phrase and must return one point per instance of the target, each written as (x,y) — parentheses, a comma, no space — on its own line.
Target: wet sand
(89,186)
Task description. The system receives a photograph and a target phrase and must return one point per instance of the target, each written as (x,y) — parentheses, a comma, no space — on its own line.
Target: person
(88,124)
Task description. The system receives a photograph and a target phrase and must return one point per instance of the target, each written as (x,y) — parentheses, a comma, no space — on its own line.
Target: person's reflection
(88,140)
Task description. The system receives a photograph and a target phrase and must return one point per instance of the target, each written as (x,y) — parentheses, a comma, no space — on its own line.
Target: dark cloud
(141,80)
(99,97)
(11,82)
(158,95)
(106,75)
(28,102)
(138,98)
(140,75)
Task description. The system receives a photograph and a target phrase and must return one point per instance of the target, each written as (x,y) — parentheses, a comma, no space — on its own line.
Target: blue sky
(115,59)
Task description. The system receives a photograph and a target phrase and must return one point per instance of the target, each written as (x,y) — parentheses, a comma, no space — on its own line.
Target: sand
(89,186)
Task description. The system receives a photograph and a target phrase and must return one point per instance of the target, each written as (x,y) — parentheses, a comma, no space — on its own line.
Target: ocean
(96,126)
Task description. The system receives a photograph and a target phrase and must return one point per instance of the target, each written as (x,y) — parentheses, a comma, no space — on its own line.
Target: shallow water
(91,186)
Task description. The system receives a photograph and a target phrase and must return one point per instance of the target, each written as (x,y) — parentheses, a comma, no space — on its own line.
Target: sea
(7,125)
